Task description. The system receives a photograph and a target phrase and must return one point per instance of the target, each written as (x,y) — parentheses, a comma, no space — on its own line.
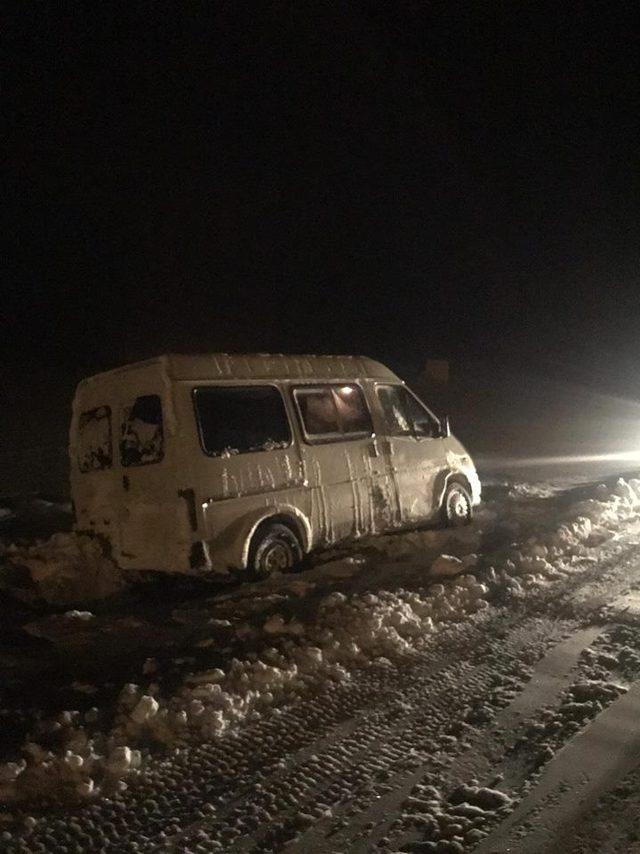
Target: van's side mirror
(445,427)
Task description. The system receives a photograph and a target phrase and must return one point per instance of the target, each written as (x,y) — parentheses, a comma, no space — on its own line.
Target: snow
(276,625)
(450,822)
(482,798)
(146,709)
(68,569)
(446,565)
(351,629)
(79,615)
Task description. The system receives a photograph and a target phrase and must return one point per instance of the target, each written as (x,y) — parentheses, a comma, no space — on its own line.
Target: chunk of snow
(79,615)
(145,709)
(73,760)
(85,788)
(10,771)
(626,491)
(68,569)
(119,761)
(276,625)
(446,565)
(480,796)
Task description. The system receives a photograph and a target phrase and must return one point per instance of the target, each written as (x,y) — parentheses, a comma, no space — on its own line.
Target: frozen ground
(429,691)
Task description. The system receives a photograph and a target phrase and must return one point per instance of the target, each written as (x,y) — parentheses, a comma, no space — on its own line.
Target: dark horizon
(407,181)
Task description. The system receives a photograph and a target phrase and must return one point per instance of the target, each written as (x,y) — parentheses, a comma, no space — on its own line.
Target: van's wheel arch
(275,547)
(456,508)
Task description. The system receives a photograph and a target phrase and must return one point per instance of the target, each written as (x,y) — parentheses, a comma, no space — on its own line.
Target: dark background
(405,179)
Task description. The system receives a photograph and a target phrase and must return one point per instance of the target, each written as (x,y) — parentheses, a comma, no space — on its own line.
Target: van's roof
(211,366)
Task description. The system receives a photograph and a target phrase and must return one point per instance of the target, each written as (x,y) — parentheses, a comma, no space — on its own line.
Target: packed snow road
(431,691)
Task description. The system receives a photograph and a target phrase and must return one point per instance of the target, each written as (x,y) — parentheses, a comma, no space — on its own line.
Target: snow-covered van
(218,462)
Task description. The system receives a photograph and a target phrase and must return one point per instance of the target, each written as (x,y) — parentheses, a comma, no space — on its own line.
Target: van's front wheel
(274,548)
(457,508)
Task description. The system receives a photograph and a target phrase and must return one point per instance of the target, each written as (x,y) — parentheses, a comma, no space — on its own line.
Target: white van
(219,462)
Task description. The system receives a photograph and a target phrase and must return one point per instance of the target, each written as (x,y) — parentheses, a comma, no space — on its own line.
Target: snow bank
(68,569)
(570,541)
(399,547)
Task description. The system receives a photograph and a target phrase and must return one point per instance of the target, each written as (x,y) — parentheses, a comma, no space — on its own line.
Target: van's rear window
(141,432)
(95,445)
(241,419)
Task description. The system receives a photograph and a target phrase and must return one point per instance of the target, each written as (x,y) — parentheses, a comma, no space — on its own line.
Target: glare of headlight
(526,462)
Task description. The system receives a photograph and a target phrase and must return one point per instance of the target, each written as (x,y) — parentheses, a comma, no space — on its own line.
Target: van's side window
(241,419)
(141,432)
(403,414)
(333,413)
(318,411)
(95,445)
(352,410)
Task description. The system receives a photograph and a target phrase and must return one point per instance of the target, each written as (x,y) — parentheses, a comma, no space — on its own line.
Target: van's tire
(274,548)
(457,507)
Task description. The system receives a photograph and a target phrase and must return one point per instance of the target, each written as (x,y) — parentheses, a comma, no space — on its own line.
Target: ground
(468,690)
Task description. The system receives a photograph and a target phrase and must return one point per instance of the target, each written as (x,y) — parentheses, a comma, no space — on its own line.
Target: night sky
(405,179)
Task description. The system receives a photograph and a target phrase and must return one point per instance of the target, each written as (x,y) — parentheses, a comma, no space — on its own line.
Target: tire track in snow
(179,797)
(416,716)
(549,677)
(572,782)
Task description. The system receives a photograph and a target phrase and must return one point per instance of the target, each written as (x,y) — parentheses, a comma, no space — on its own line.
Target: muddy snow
(348,707)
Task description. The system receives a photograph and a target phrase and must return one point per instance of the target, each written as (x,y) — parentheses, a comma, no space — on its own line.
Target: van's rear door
(149,520)
(93,465)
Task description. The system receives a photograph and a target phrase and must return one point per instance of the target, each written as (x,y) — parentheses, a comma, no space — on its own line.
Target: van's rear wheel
(457,508)
(274,548)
